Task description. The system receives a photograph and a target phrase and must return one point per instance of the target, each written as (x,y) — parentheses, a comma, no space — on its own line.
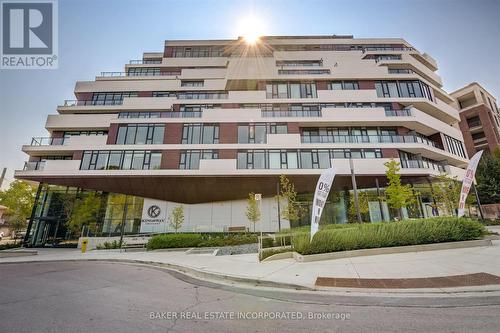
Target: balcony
(154,115)
(74,102)
(128,74)
(422,164)
(32,166)
(145,61)
(398,113)
(367,139)
(291,113)
(47,141)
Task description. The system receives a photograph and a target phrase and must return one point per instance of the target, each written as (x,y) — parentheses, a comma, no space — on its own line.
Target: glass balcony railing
(398,113)
(145,61)
(32,166)
(366,139)
(154,73)
(422,164)
(47,141)
(74,102)
(292,113)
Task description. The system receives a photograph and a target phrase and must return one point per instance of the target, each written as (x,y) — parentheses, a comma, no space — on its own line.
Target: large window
(111,98)
(349,134)
(142,114)
(200,133)
(192,83)
(190,159)
(120,160)
(143,71)
(69,134)
(454,146)
(303,71)
(257,133)
(409,160)
(299,63)
(291,90)
(299,159)
(197,51)
(343,85)
(140,134)
(412,88)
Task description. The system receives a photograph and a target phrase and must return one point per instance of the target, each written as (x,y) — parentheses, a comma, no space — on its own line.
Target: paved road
(116,297)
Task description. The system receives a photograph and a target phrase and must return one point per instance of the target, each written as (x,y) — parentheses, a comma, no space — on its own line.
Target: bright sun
(251,29)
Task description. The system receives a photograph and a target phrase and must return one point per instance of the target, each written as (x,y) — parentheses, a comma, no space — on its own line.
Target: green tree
(19,199)
(85,212)
(398,195)
(446,193)
(176,218)
(364,208)
(488,178)
(253,211)
(290,209)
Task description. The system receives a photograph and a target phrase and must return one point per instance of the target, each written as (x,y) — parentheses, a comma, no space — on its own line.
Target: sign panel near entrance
(154,216)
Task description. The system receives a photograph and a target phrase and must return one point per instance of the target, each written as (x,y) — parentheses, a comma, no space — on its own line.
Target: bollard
(85,241)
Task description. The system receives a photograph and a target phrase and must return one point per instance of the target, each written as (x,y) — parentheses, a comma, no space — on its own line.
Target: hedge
(387,234)
(167,241)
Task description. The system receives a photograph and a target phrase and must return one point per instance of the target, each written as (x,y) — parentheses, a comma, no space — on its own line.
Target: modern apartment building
(479,118)
(206,122)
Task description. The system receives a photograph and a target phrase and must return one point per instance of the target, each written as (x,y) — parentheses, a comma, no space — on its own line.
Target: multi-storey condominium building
(479,118)
(206,122)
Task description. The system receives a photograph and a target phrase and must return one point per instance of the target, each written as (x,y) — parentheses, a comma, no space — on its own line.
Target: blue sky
(98,35)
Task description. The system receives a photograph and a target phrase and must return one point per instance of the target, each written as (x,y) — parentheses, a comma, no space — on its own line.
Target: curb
(188,271)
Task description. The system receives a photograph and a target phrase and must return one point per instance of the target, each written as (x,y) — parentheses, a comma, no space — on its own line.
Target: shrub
(10,246)
(267,253)
(174,241)
(166,241)
(109,245)
(387,234)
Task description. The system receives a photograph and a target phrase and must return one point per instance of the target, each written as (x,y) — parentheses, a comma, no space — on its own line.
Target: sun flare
(251,29)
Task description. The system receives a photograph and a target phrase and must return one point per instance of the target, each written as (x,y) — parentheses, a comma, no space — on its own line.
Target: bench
(237,229)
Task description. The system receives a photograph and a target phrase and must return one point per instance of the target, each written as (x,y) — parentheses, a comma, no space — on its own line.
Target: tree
(488,178)
(398,195)
(176,218)
(290,209)
(85,212)
(19,199)
(253,211)
(446,193)
(364,207)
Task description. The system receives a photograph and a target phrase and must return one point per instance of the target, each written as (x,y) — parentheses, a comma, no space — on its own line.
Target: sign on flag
(320,195)
(467,182)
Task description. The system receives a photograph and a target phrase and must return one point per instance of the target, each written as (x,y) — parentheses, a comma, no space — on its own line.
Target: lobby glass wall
(63,214)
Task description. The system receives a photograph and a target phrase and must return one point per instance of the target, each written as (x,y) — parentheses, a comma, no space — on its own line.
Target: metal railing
(185,114)
(123,74)
(291,113)
(74,102)
(47,141)
(366,139)
(144,61)
(422,164)
(32,166)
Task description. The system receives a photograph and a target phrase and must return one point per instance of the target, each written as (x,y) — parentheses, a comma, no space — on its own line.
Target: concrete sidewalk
(288,271)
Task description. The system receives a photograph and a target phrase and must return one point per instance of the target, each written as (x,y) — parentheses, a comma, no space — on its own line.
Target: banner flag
(320,195)
(467,182)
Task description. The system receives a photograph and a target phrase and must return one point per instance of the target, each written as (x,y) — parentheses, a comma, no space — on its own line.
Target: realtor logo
(154,211)
(29,35)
